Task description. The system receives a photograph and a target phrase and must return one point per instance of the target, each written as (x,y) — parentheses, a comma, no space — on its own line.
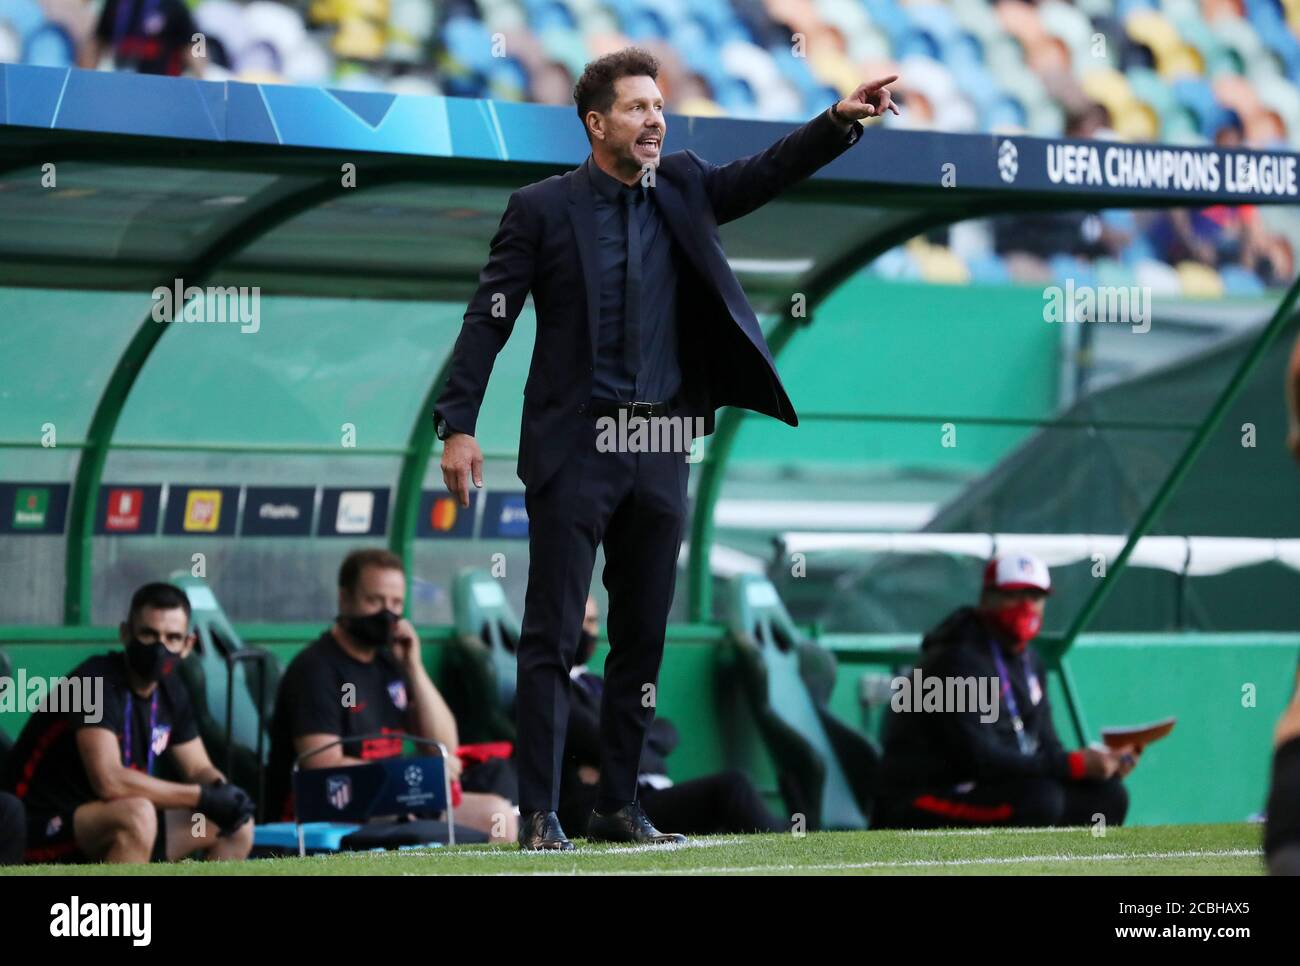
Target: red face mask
(1019,620)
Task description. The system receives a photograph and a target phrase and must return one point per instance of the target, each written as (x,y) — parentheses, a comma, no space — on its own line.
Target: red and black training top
(327,691)
(45,769)
(951,747)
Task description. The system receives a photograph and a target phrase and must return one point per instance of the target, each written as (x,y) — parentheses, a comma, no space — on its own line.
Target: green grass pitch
(1146,850)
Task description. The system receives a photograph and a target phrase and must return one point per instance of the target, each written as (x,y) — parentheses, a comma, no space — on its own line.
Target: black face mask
(146,660)
(371,630)
(586,646)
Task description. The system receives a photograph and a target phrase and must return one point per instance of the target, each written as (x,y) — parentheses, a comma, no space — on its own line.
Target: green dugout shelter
(349,229)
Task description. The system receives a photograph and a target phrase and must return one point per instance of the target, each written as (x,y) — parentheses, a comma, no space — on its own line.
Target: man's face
(635,125)
(1002,598)
(591,620)
(153,625)
(378,588)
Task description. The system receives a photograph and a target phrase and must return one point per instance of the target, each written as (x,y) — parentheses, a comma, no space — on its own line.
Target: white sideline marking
(920,863)
(989,830)
(513,851)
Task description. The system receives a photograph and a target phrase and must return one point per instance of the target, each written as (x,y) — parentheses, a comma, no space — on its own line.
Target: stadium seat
(230,724)
(825,769)
(988,269)
(50,46)
(1199,281)
(479,670)
(1239,281)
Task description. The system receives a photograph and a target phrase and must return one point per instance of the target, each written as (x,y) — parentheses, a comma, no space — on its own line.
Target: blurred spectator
(1088,119)
(963,766)
(145,36)
(1230,133)
(1217,236)
(552,84)
(1037,236)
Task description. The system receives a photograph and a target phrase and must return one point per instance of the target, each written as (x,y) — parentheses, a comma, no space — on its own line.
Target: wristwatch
(840,118)
(440,428)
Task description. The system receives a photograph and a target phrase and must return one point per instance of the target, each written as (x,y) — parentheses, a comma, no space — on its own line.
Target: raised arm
(739,187)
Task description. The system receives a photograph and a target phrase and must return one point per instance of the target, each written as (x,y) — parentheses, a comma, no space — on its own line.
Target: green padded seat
(825,769)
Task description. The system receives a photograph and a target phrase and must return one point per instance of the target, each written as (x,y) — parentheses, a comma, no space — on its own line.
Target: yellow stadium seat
(1199,281)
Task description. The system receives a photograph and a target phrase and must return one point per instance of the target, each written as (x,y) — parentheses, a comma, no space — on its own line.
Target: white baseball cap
(1017,571)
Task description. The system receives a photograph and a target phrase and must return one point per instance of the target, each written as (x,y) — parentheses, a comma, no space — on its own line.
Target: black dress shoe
(541,830)
(629,824)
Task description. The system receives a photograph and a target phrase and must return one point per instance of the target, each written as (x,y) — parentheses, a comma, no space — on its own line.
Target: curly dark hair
(595,88)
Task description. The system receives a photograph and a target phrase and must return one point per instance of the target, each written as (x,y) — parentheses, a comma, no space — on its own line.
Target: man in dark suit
(639,319)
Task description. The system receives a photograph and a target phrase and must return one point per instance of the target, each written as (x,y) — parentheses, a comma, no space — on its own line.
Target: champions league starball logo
(1008,161)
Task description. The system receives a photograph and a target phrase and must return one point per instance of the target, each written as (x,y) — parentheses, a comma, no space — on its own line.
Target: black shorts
(50,839)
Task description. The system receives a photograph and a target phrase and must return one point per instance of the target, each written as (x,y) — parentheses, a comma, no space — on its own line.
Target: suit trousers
(634,504)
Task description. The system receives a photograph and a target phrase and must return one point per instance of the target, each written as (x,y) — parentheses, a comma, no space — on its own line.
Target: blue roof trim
(314,117)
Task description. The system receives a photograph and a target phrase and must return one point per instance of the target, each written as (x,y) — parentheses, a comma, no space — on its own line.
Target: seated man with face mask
(365,675)
(997,765)
(85,768)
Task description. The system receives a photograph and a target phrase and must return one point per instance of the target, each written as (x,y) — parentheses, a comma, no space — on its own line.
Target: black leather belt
(609,407)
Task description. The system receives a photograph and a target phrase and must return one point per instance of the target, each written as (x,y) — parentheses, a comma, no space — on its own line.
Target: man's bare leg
(488,813)
(190,832)
(119,831)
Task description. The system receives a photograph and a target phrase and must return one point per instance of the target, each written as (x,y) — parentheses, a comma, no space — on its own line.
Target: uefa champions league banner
(390,124)
(1013,163)
(1248,176)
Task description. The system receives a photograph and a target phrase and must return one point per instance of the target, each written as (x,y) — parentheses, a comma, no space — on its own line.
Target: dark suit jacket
(546,243)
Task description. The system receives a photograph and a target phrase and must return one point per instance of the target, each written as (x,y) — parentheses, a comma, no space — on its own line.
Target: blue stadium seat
(988,270)
(50,46)
(644,25)
(1196,95)
(469,42)
(1238,281)
(1064,267)
(890,18)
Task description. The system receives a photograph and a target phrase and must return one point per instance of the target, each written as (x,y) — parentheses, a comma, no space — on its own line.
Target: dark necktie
(632,292)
